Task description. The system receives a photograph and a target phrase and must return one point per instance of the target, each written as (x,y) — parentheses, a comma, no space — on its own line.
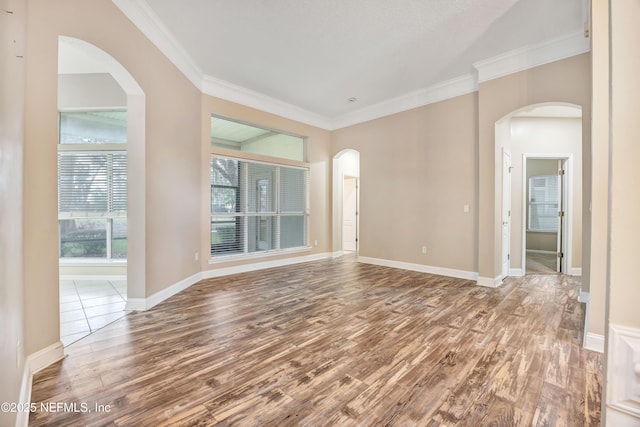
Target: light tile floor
(88,305)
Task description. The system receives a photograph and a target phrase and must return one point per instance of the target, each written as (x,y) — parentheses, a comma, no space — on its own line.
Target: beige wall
(318,149)
(12,87)
(87,91)
(567,81)
(170,157)
(624,237)
(600,166)
(546,136)
(417,171)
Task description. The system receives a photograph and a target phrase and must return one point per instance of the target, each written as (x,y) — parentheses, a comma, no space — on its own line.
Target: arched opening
(101,183)
(346,201)
(539,189)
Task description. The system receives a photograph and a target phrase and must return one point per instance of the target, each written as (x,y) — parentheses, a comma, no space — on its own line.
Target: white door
(349,214)
(506,211)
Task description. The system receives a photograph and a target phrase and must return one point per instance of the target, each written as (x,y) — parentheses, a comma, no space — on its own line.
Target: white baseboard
(245,268)
(34,363)
(489,282)
(623,376)
(617,418)
(516,272)
(461,274)
(538,251)
(594,342)
(337,254)
(575,271)
(583,296)
(93,277)
(142,304)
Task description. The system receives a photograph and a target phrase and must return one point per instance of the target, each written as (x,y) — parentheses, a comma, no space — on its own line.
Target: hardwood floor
(539,263)
(336,343)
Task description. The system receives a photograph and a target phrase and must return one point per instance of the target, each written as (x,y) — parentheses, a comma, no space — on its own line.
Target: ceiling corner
(532,56)
(141,15)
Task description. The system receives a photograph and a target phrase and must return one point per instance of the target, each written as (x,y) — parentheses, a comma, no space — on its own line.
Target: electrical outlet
(197,256)
(465,208)
(424,249)
(315,243)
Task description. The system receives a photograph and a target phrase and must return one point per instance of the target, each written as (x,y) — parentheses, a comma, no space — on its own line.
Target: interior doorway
(546,213)
(346,202)
(101,121)
(350,214)
(548,131)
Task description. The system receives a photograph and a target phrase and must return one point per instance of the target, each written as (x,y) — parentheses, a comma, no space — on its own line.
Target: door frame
(567,196)
(505,219)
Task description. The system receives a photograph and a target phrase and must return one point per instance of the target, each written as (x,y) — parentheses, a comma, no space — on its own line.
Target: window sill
(88,262)
(257,255)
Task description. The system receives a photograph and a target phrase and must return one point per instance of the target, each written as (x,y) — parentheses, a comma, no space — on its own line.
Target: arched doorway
(532,223)
(101,158)
(346,201)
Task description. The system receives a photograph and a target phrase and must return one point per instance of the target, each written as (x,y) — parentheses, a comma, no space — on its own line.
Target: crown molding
(241,95)
(532,56)
(439,92)
(143,17)
(139,12)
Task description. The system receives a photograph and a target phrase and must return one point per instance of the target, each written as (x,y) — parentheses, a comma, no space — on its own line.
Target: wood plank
(336,342)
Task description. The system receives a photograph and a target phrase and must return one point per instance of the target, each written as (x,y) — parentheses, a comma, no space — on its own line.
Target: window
(257,207)
(92,185)
(231,135)
(543,203)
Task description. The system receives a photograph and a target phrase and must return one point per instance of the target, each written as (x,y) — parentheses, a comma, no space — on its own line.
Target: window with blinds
(257,207)
(92,184)
(543,203)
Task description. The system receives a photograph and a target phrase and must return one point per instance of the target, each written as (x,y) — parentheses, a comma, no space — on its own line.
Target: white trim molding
(241,95)
(93,277)
(146,20)
(337,254)
(594,342)
(245,268)
(623,372)
(142,304)
(516,272)
(489,282)
(575,271)
(439,92)
(34,363)
(583,296)
(460,274)
(532,56)
(143,17)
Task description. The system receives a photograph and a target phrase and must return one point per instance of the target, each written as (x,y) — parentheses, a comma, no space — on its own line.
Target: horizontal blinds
(257,206)
(91,183)
(293,189)
(543,203)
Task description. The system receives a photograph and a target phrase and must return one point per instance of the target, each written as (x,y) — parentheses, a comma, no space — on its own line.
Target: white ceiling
(311,56)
